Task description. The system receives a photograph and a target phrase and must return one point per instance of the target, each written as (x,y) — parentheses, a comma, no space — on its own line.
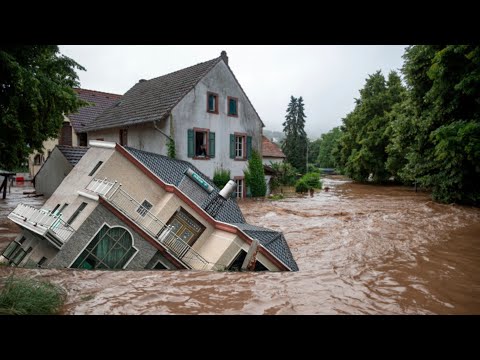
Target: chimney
(224,56)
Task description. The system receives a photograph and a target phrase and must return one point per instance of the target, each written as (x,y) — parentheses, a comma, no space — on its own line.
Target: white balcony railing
(101,187)
(158,230)
(42,222)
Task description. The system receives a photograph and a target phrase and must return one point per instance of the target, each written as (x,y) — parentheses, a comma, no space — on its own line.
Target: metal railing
(99,186)
(156,228)
(42,220)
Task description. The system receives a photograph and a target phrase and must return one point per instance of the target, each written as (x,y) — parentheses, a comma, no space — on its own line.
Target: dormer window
(212,103)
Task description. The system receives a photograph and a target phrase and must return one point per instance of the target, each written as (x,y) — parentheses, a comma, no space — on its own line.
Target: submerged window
(95,168)
(111,248)
(144,208)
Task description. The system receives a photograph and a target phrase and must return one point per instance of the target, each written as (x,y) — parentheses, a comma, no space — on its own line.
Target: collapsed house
(124,208)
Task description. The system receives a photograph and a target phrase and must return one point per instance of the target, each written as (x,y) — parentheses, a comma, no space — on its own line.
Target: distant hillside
(277,136)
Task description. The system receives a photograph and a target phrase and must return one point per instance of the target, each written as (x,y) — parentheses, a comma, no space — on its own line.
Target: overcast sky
(328,77)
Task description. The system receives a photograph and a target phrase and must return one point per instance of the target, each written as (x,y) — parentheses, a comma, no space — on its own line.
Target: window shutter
(190,143)
(211,145)
(249,147)
(232,146)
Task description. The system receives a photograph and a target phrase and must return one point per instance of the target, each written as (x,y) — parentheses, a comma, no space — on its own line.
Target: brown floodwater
(361,249)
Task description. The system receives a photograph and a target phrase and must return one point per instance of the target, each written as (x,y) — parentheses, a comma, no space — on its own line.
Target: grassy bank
(24,296)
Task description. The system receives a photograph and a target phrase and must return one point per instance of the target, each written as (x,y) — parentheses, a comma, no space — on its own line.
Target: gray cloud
(328,77)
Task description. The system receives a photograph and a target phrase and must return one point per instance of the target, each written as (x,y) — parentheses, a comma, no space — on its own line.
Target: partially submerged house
(200,111)
(73,131)
(58,165)
(124,208)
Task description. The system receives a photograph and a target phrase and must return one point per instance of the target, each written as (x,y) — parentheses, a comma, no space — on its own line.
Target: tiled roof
(173,172)
(269,149)
(87,114)
(72,153)
(273,241)
(152,99)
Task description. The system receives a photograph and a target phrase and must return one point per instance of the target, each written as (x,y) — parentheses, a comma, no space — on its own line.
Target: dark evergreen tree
(255,175)
(295,144)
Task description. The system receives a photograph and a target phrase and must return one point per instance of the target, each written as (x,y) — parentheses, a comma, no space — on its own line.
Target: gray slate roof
(273,241)
(152,100)
(72,153)
(173,172)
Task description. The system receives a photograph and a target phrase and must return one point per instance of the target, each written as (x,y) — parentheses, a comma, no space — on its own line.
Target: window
(62,208)
(144,208)
(123,137)
(186,227)
(95,168)
(42,261)
(159,266)
(240,188)
(239,146)
(212,103)
(37,160)
(76,213)
(55,208)
(232,106)
(201,143)
(82,139)
(110,248)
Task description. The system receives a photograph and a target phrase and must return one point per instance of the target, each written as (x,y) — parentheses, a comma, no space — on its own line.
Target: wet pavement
(361,249)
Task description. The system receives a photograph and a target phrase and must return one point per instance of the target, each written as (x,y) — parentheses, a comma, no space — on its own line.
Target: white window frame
(239,186)
(240,146)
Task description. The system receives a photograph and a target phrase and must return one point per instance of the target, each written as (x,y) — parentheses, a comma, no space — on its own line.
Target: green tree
(313,150)
(295,144)
(221,177)
(440,137)
(255,175)
(36,90)
(327,146)
(364,140)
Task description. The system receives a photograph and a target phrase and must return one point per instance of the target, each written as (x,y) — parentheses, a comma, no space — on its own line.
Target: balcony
(42,222)
(142,217)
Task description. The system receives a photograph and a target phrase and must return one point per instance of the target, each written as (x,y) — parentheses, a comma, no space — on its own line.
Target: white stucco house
(125,208)
(271,154)
(202,108)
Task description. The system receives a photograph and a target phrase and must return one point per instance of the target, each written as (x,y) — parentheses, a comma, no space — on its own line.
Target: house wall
(52,173)
(191,112)
(48,145)
(76,180)
(267,160)
(77,243)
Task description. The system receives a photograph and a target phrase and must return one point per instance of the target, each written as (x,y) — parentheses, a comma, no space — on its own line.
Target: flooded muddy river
(361,249)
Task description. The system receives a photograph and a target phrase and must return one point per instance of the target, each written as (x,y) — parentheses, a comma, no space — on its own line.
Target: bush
(308,181)
(285,175)
(23,296)
(301,186)
(255,175)
(221,177)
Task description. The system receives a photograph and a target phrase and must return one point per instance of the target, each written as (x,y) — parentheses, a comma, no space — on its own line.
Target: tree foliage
(328,144)
(255,175)
(295,143)
(36,90)
(427,132)
(221,177)
(308,181)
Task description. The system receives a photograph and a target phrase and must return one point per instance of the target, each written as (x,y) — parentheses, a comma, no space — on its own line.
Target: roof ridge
(97,91)
(183,69)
